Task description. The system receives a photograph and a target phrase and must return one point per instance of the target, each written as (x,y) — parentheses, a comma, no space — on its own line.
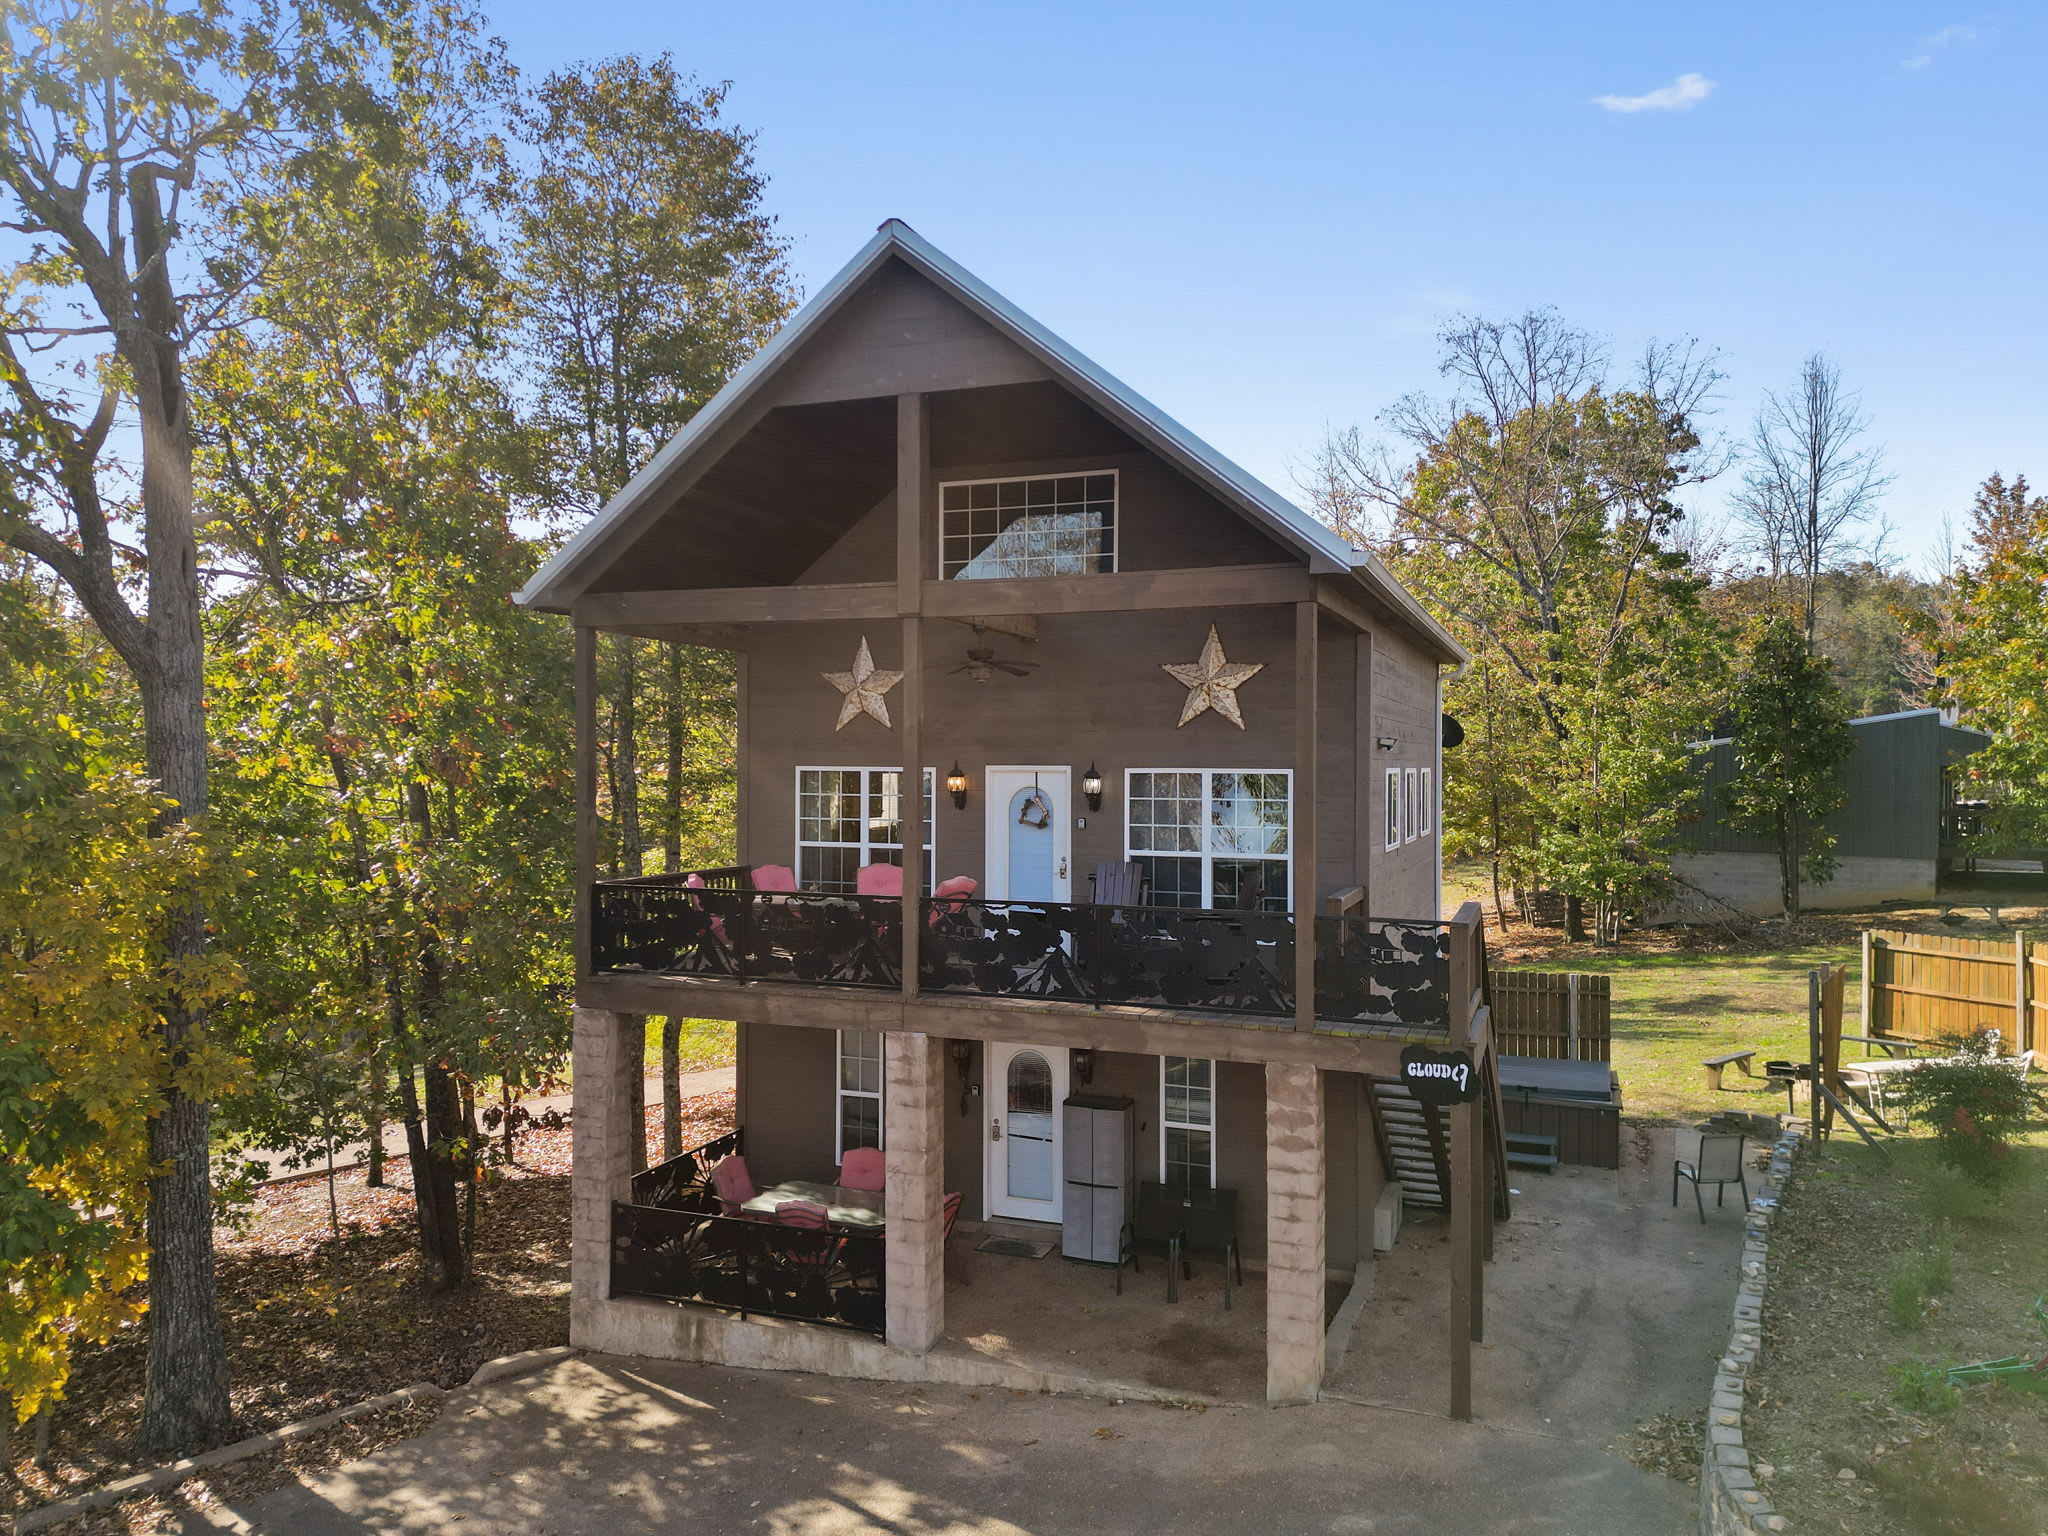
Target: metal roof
(565,575)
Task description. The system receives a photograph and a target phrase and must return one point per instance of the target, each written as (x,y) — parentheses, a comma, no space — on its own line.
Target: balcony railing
(1375,975)
(671,1243)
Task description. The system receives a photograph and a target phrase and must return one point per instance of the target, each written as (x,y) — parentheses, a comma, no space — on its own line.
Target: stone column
(608,1072)
(1295,1257)
(913,1126)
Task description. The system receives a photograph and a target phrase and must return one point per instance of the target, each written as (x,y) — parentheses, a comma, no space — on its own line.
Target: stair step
(1547,1161)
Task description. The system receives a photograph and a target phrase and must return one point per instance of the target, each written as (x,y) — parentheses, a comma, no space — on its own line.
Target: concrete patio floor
(601,1446)
(1604,1305)
(1054,1316)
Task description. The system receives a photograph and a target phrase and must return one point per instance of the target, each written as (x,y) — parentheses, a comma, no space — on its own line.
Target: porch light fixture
(1091,787)
(1385,743)
(956,786)
(1083,1063)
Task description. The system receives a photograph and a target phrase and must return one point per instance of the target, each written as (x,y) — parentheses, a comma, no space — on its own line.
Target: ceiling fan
(982,662)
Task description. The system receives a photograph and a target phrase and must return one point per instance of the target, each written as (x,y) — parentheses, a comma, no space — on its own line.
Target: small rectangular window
(860,1090)
(1187,1122)
(1393,808)
(1408,806)
(1427,805)
(1047,525)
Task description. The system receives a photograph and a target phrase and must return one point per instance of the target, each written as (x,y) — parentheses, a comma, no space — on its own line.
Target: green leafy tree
(396,731)
(87,884)
(125,131)
(1989,643)
(1537,518)
(648,271)
(1792,735)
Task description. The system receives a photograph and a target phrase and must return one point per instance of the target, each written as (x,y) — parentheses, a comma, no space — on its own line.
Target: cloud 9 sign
(1439,1077)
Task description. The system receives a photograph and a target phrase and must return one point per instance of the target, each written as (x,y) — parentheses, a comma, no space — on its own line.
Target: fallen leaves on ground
(1668,1446)
(315,1323)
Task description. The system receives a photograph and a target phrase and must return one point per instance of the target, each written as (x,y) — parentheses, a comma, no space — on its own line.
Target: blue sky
(1258,215)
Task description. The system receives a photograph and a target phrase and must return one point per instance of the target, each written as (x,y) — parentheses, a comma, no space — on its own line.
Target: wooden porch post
(1465,1192)
(1307,618)
(586,790)
(913,454)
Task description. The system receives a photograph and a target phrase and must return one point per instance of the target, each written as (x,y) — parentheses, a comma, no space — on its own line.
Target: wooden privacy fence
(1922,986)
(1553,1014)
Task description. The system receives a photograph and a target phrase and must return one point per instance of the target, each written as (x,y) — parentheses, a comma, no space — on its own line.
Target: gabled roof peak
(578,561)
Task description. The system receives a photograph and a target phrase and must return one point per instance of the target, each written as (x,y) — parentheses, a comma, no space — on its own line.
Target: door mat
(1013,1247)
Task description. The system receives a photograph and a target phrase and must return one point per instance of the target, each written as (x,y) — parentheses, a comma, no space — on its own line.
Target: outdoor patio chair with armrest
(863,1168)
(1718,1162)
(732,1184)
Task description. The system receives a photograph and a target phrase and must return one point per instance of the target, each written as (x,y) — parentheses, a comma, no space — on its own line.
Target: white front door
(1026,1085)
(1030,834)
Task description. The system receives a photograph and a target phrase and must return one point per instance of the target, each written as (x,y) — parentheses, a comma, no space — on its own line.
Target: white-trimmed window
(1041,525)
(1187,1122)
(848,817)
(1408,806)
(1393,808)
(860,1090)
(1426,802)
(1211,837)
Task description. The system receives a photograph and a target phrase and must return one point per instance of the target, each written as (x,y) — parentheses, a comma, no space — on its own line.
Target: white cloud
(1681,95)
(1934,43)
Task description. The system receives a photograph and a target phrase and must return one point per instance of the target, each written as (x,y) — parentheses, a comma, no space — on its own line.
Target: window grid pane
(849,817)
(1234,823)
(1054,525)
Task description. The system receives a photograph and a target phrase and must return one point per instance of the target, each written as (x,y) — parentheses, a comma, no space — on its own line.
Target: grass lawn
(704,1043)
(1879,1268)
(1682,995)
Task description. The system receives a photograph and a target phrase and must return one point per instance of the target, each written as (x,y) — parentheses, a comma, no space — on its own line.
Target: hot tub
(1578,1102)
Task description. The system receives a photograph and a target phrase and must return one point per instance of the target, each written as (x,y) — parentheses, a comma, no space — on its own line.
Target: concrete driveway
(601,1446)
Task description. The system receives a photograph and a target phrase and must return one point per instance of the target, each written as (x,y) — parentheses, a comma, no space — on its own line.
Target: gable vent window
(1052,525)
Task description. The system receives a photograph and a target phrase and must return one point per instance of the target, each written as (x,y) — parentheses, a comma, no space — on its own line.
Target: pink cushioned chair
(864,1168)
(807,1214)
(732,1184)
(956,888)
(774,877)
(878,880)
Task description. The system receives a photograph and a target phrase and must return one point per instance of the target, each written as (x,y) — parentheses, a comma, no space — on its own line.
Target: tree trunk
(672,783)
(671,1087)
(626,761)
(434,1142)
(1574,919)
(633,1026)
(185,1400)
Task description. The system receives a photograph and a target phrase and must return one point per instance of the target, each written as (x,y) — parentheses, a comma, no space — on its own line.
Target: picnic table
(844,1207)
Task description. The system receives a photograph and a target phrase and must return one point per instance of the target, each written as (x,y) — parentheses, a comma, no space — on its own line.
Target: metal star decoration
(1212,682)
(863,687)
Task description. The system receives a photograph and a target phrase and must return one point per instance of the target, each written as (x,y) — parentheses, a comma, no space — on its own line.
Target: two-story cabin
(1176,912)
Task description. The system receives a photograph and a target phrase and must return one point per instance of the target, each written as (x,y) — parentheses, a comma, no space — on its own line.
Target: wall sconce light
(1385,743)
(1083,1063)
(1091,787)
(956,786)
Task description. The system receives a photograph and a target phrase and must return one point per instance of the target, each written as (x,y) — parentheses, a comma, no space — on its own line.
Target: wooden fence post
(2020,1042)
(1571,1049)
(1866,991)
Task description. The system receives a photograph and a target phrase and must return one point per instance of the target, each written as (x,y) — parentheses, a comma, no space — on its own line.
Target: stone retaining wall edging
(1730,1502)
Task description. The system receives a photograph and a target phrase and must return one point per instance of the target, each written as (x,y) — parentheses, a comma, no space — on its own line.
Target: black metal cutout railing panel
(1373,974)
(753,1268)
(851,941)
(683,1183)
(1383,971)
(1158,957)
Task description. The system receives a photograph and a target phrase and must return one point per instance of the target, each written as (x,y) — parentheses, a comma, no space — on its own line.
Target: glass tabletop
(843,1207)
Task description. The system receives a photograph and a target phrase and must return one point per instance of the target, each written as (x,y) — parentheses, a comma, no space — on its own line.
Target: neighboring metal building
(1888,831)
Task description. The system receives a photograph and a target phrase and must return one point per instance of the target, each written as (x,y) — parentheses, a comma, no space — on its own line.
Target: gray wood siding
(897,335)
(788,1089)
(1404,706)
(1891,781)
(1099,695)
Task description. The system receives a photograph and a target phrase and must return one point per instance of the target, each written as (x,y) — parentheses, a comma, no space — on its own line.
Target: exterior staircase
(1415,1142)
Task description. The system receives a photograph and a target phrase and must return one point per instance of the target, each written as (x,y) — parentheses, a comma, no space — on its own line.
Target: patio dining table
(844,1207)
